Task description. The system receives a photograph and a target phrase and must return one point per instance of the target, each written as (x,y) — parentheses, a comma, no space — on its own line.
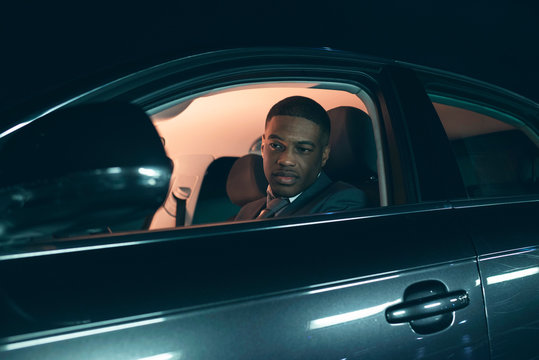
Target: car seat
(246,180)
(353,155)
(213,204)
(498,164)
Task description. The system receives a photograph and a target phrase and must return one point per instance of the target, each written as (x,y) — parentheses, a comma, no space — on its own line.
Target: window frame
(357,76)
(348,87)
(423,145)
(381,85)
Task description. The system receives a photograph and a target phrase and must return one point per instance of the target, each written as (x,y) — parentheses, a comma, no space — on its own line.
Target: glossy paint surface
(506,239)
(81,170)
(512,300)
(280,292)
(337,322)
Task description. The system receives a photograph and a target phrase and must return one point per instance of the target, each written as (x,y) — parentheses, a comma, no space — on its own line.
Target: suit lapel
(319,185)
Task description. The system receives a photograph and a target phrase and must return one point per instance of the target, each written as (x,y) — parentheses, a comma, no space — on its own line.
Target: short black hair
(301,106)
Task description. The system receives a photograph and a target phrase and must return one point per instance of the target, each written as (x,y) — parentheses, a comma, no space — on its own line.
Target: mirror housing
(86,169)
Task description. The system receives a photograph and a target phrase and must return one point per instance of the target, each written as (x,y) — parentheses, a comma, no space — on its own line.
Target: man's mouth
(285,177)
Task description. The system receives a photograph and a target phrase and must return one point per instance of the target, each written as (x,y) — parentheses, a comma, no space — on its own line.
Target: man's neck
(271,195)
(292,198)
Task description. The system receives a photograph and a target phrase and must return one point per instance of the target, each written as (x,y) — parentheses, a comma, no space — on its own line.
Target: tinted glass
(497,154)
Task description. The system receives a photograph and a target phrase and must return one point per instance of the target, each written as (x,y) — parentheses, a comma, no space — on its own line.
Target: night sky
(46,45)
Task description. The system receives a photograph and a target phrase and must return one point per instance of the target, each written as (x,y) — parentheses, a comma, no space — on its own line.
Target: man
(295,147)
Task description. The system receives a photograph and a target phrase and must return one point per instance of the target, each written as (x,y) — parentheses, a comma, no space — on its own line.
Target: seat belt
(181,194)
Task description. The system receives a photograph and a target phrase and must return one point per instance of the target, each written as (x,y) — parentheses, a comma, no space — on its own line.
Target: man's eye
(304,150)
(276,146)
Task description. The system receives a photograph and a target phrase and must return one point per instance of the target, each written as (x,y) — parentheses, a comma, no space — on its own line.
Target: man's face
(293,154)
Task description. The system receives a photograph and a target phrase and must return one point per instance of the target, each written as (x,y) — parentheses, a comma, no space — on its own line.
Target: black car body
(98,263)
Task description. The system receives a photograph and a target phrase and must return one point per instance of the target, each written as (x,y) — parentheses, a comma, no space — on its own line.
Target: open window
(207,133)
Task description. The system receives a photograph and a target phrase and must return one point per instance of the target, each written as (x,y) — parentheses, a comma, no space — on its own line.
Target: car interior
(214,142)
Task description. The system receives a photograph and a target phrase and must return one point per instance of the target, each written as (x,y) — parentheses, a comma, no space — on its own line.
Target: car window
(207,136)
(497,154)
(216,136)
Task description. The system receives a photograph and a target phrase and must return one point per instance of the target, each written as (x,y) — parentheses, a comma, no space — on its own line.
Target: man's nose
(286,158)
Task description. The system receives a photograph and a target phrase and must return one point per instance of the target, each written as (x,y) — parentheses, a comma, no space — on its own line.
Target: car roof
(46,101)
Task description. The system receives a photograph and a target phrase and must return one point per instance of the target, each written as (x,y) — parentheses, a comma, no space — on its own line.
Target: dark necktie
(272,207)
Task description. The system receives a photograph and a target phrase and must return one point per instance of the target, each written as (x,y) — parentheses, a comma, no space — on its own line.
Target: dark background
(46,44)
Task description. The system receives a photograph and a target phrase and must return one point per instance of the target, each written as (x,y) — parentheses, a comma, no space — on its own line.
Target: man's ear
(325,155)
(262,144)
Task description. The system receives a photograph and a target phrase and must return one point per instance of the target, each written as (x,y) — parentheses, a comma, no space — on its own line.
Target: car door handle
(427,306)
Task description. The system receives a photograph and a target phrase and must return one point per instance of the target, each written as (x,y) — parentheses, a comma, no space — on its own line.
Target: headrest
(246,181)
(352,156)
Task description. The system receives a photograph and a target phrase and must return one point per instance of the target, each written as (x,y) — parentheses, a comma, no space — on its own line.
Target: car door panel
(251,291)
(505,234)
(345,321)
(512,298)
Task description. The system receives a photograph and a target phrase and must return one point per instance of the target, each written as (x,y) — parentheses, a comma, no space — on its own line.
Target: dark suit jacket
(321,197)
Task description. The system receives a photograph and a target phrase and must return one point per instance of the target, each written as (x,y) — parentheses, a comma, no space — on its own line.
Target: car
(117,200)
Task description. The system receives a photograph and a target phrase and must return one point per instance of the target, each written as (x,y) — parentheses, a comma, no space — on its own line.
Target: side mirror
(79,170)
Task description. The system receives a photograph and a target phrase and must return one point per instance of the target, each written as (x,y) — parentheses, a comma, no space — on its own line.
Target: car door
(496,146)
(400,280)
(321,288)
(505,234)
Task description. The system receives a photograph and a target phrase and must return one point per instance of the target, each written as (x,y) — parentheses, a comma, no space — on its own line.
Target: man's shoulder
(342,190)
(335,196)
(341,186)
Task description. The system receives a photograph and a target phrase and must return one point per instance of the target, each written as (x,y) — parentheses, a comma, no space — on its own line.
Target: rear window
(497,154)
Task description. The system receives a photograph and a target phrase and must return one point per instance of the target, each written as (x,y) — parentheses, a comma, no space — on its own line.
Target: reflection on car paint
(164,356)
(56,338)
(114,170)
(352,284)
(14,128)
(511,253)
(512,275)
(149,172)
(350,316)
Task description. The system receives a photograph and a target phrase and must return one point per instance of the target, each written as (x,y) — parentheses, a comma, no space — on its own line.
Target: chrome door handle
(427,307)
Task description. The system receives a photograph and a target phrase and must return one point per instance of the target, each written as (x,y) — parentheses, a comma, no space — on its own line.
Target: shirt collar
(291,199)
(270,196)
